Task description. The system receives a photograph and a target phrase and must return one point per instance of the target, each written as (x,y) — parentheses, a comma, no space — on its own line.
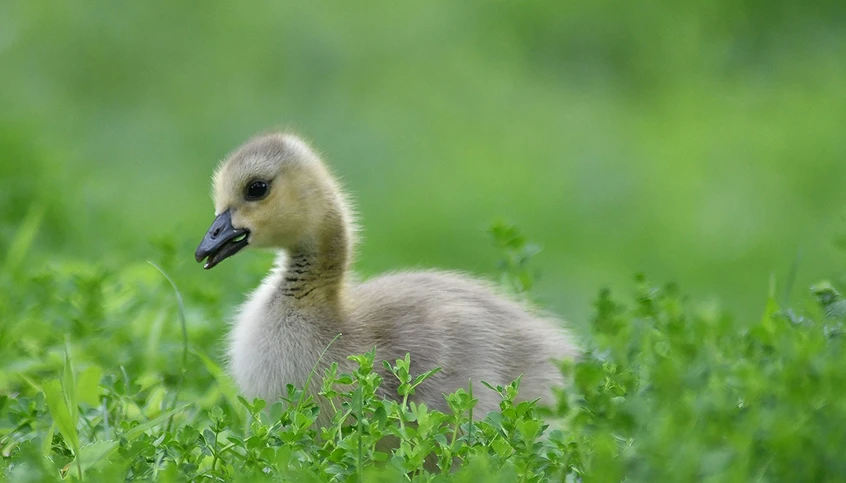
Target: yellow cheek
(242,217)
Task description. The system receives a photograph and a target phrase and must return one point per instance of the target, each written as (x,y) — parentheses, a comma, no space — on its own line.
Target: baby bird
(275,192)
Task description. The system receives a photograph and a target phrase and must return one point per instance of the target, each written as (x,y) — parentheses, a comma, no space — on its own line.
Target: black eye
(256,190)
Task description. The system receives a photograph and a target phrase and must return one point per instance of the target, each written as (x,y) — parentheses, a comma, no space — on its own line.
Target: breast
(269,347)
(272,345)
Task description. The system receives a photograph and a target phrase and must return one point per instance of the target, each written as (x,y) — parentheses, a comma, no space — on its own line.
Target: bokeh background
(697,142)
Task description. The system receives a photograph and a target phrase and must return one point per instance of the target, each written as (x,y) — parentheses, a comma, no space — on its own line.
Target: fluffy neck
(314,274)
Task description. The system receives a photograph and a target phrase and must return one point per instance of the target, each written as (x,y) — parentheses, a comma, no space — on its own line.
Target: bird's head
(272,192)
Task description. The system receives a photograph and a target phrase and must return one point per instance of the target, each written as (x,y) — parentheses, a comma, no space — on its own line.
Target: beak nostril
(216,232)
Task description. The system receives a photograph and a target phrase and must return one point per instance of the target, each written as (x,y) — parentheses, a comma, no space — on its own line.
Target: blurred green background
(698,143)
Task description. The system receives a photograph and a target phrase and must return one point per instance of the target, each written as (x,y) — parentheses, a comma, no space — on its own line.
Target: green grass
(109,375)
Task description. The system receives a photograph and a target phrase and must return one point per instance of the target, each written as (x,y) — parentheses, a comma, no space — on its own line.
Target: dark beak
(222,241)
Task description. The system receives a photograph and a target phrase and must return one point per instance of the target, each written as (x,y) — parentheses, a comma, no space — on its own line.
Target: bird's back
(462,325)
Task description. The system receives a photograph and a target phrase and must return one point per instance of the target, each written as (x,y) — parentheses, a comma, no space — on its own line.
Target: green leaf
(88,386)
(47,442)
(90,454)
(501,447)
(426,375)
(529,429)
(142,428)
(68,384)
(61,414)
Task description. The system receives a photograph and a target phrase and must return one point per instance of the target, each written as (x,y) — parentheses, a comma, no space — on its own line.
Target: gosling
(275,192)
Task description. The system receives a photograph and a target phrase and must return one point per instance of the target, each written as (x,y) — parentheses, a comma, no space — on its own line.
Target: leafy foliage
(99,384)
(517,253)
